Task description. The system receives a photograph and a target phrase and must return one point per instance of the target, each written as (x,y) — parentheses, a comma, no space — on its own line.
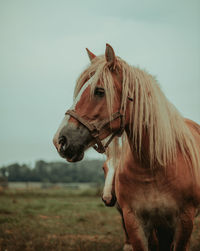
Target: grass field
(62,219)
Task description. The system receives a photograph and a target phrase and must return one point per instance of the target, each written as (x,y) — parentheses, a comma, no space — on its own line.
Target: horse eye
(99,92)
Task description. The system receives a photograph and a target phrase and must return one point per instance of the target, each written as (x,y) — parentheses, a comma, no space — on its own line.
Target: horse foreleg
(153,241)
(127,245)
(184,230)
(165,236)
(135,231)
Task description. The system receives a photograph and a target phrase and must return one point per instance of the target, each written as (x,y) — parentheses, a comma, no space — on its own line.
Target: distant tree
(84,171)
(16,172)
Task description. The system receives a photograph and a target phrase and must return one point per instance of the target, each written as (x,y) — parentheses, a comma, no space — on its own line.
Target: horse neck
(143,157)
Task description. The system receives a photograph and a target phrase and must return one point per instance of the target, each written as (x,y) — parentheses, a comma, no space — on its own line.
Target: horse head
(108,195)
(96,111)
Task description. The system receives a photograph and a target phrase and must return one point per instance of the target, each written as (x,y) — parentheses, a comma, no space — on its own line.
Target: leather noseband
(96,129)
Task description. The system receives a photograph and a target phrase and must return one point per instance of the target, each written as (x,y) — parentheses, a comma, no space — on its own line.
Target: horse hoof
(127,247)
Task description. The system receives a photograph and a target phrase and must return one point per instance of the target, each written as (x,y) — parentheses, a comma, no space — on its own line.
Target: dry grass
(62,219)
(57,219)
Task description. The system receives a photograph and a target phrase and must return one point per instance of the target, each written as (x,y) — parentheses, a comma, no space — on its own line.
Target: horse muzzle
(69,152)
(111,202)
(72,142)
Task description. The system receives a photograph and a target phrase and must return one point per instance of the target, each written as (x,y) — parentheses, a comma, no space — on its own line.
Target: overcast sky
(42,52)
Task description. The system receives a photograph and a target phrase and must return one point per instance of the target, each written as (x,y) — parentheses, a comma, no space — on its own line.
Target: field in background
(58,218)
(62,218)
(43,185)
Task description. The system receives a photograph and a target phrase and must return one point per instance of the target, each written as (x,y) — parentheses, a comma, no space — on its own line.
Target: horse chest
(152,202)
(154,206)
(152,198)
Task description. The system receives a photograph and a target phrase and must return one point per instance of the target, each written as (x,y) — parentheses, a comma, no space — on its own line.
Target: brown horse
(109,197)
(157,185)
(109,168)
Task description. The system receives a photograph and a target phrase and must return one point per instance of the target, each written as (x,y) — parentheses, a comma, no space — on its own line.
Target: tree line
(54,172)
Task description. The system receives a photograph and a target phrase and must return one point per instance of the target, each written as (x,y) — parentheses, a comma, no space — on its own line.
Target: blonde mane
(150,113)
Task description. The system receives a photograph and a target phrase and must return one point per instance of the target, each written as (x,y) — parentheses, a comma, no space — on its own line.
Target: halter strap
(95,129)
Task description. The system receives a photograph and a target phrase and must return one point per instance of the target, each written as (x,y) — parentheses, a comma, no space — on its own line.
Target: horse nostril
(62,140)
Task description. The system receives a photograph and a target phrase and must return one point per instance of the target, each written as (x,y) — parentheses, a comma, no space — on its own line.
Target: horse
(109,168)
(108,196)
(157,187)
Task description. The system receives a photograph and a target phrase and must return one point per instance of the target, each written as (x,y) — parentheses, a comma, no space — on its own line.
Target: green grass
(62,219)
(57,219)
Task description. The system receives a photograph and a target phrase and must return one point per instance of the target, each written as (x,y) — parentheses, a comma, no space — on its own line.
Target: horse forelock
(100,73)
(150,111)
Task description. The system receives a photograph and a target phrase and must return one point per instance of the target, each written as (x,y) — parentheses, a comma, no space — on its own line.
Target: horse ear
(90,54)
(110,55)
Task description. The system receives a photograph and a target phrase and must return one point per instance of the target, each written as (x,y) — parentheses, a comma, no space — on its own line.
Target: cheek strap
(96,129)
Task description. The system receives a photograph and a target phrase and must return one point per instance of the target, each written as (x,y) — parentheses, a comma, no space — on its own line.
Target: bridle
(95,129)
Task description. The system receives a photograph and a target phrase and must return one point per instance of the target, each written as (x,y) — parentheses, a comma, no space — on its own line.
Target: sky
(42,53)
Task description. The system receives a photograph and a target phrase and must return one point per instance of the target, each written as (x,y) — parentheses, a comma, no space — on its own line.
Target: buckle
(94,133)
